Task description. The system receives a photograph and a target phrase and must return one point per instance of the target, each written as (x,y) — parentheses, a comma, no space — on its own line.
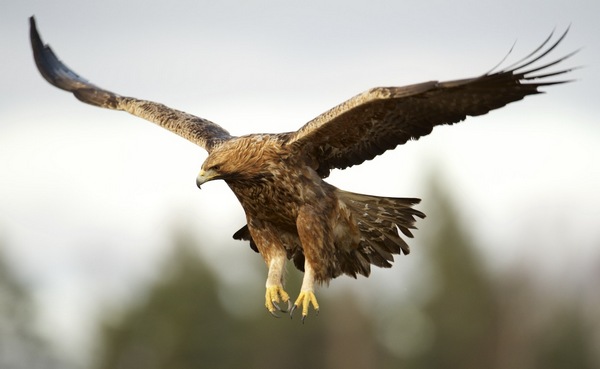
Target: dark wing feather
(384,117)
(197,130)
(244,235)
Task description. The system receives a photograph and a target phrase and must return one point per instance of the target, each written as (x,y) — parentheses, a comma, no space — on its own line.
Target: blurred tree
(182,324)
(469,321)
(179,325)
(520,317)
(565,342)
(462,310)
(479,322)
(20,345)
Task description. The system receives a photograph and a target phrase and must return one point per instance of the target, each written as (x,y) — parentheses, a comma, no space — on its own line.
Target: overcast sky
(88,197)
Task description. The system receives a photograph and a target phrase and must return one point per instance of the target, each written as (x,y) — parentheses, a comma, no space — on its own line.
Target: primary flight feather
(291,212)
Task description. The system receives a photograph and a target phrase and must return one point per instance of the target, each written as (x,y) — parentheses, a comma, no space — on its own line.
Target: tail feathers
(380,221)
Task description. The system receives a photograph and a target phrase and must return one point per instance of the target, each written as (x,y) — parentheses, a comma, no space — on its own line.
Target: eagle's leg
(275,292)
(307,293)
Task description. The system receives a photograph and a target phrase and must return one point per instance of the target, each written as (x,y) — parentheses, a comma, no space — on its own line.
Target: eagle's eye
(216,168)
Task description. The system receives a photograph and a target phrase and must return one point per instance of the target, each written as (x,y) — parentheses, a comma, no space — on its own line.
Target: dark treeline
(470,320)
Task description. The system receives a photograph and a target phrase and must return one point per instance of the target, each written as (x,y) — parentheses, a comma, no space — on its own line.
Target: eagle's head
(243,160)
(218,165)
(205,175)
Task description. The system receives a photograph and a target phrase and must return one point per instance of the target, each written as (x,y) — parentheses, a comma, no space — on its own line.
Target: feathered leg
(307,293)
(275,257)
(275,292)
(315,235)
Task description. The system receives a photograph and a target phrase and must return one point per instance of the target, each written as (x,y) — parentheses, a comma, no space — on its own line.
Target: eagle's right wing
(384,117)
(197,130)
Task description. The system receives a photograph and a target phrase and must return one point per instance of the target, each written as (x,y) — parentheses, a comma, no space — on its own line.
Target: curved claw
(284,310)
(292,311)
(306,298)
(274,295)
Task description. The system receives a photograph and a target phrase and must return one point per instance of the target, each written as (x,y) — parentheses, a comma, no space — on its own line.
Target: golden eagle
(291,212)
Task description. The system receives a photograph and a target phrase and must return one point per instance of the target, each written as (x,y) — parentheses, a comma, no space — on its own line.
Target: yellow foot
(274,295)
(305,299)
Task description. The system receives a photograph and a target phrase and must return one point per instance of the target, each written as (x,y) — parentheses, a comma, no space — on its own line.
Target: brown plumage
(291,212)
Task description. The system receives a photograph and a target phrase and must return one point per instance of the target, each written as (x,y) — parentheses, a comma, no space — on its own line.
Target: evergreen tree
(462,310)
(565,342)
(20,346)
(471,322)
(182,324)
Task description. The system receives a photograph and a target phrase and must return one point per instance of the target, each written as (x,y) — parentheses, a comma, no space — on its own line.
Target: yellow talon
(305,299)
(274,295)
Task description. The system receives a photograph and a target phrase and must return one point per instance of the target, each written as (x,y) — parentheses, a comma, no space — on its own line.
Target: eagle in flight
(291,212)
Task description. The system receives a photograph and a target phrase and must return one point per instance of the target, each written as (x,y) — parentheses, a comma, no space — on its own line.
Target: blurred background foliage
(20,346)
(472,319)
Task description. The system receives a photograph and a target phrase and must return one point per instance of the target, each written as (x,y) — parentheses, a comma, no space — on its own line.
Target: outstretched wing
(384,117)
(197,130)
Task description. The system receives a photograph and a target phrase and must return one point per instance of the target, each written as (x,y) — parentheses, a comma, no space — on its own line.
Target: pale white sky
(89,197)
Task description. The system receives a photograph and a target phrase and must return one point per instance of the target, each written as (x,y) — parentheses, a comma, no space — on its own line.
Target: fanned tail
(380,221)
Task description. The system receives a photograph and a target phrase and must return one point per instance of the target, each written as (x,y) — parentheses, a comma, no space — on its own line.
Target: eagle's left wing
(382,118)
(197,130)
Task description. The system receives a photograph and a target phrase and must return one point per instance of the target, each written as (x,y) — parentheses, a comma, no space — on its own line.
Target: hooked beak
(205,176)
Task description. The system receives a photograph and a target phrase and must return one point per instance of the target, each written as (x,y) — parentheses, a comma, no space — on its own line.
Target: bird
(291,212)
